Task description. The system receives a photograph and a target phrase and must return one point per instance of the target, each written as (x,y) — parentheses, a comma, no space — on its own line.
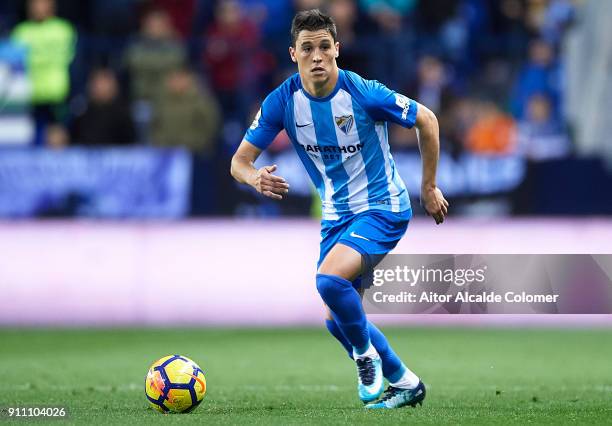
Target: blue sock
(392,365)
(337,333)
(345,305)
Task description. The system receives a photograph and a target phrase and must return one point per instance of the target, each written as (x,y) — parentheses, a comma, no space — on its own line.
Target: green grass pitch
(301,376)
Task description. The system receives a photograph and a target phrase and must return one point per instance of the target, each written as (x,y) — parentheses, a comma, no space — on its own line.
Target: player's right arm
(244,171)
(266,125)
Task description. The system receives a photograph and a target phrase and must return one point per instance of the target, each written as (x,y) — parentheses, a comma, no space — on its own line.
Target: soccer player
(336,121)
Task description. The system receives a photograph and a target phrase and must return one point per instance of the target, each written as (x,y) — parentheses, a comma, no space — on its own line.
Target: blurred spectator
(203,16)
(233,57)
(112,23)
(432,86)
(50,42)
(392,46)
(106,119)
(541,74)
(455,124)
(149,59)
(181,14)
(388,14)
(557,18)
(534,15)
(352,55)
(541,136)
(511,26)
(309,4)
(56,136)
(153,55)
(185,115)
(344,13)
(494,79)
(273,17)
(493,132)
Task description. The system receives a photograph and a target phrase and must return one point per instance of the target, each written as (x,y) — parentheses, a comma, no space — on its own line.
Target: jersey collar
(333,92)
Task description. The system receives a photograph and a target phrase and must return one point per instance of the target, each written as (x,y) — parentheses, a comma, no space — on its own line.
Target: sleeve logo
(404,103)
(255,123)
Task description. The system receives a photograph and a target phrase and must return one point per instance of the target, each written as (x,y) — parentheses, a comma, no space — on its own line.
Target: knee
(325,285)
(330,286)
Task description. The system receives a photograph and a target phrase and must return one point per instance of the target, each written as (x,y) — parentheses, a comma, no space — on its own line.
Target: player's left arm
(383,104)
(428,133)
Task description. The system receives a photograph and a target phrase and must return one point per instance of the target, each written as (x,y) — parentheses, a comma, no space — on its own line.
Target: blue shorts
(373,233)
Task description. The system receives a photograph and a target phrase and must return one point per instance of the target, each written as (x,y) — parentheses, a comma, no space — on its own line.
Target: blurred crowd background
(107,106)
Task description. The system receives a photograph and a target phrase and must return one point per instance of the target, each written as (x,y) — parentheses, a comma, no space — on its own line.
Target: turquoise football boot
(397,398)
(370,379)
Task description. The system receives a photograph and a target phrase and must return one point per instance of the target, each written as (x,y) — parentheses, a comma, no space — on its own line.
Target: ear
(337,49)
(292,54)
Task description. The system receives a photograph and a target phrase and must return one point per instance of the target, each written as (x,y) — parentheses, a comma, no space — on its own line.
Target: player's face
(315,53)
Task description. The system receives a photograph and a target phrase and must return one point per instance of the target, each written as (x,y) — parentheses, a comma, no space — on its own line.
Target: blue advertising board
(105,182)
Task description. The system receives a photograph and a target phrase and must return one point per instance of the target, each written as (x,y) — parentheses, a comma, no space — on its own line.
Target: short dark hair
(311,20)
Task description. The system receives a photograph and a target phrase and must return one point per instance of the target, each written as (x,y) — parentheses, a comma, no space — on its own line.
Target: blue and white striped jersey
(342,140)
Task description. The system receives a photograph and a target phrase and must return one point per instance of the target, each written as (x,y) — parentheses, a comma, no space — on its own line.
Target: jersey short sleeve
(267,123)
(384,104)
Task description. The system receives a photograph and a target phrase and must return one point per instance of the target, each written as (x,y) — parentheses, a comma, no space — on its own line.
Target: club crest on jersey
(345,123)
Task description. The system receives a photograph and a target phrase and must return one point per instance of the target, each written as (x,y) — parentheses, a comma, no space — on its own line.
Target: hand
(269,185)
(434,203)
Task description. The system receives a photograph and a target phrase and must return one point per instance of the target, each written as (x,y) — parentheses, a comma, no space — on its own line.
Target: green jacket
(191,120)
(51,46)
(149,62)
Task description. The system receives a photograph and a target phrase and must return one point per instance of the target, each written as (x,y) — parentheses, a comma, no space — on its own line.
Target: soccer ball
(175,384)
